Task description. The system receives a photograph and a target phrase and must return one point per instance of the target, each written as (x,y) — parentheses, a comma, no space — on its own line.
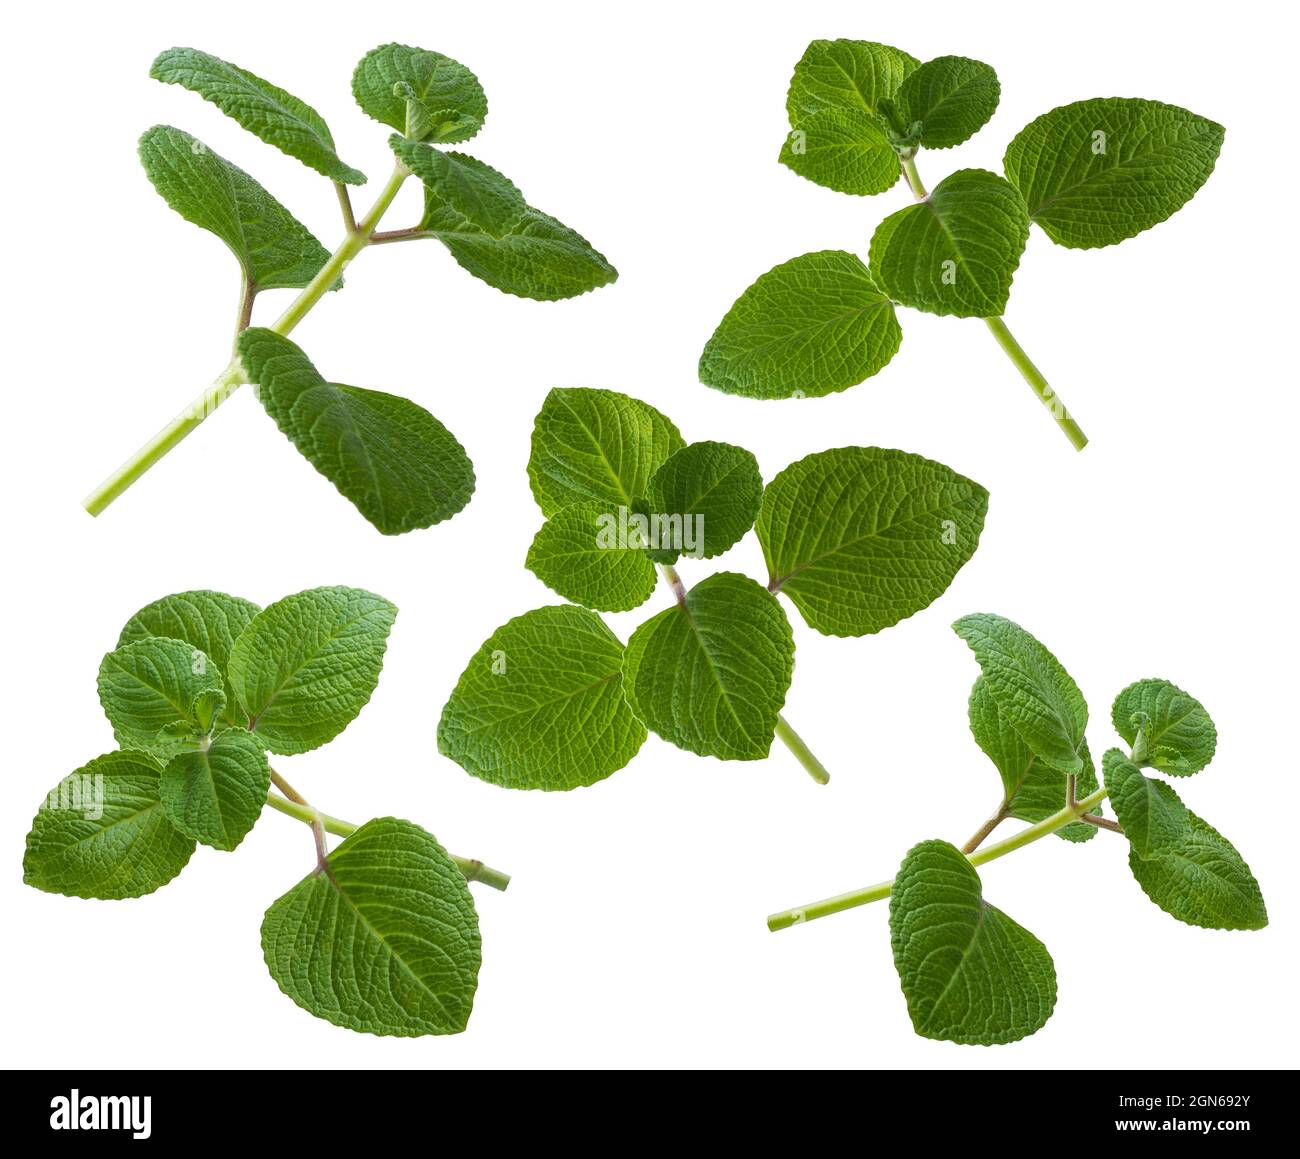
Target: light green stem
(187,421)
(230,379)
(1032,375)
(472,869)
(881,890)
(794,742)
(914,182)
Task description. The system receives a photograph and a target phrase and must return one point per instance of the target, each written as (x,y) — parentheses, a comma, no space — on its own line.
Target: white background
(634,934)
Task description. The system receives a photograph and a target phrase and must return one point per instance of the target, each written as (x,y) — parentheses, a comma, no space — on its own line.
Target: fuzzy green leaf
(215,794)
(207,709)
(398,465)
(446,101)
(476,193)
(538,257)
(1177,735)
(970,974)
(587,555)
(1033,693)
(102,833)
(1152,816)
(717,487)
(956,252)
(1183,865)
(711,676)
(276,116)
(845,74)
(308,664)
(1096,172)
(811,326)
(384,941)
(208,621)
(272,247)
(952,97)
(1202,880)
(147,685)
(540,706)
(842,149)
(596,444)
(1031,789)
(860,538)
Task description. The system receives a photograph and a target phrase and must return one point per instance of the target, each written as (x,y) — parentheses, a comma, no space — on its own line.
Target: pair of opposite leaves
(382,938)
(1089,174)
(857,538)
(971,974)
(397,463)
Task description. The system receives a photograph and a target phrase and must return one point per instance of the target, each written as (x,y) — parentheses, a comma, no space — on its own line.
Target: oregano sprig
(390,457)
(970,974)
(1092,173)
(381,935)
(856,538)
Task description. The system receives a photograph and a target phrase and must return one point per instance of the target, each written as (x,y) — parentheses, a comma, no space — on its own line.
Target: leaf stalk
(471,868)
(982,833)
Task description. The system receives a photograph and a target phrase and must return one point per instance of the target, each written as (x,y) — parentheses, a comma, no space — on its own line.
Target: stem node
(233,376)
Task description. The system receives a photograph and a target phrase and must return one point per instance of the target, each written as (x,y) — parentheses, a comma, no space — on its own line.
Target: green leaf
(970,974)
(537,257)
(1033,693)
(845,74)
(1202,881)
(272,247)
(860,538)
(149,684)
(398,465)
(1149,811)
(206,710)
(842,149)
(308,664)
(1096,172)
(711,675)
(1187,868)
(276,116)
(1177,735)
(594,557)
(705,499)
(441,125)
(384,941)
(811,326)
(540,706)
(956,252)
(208,621)
(1032,790)
(952,97)
(216,794)
(446,99)
(102,833)
(479,195)
(596,444)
